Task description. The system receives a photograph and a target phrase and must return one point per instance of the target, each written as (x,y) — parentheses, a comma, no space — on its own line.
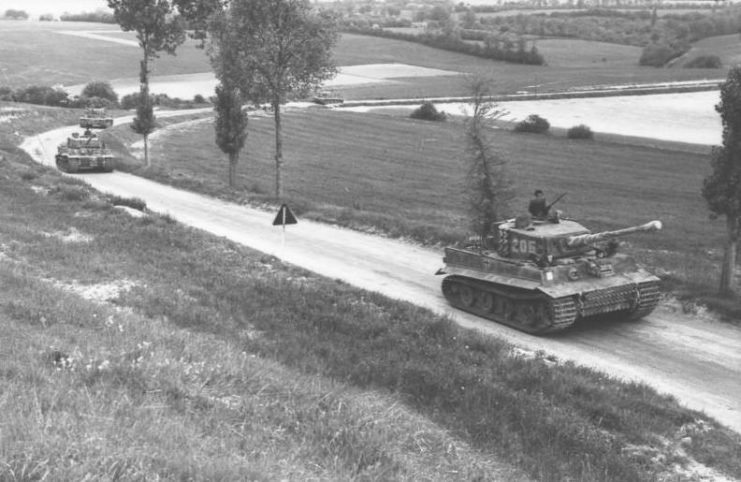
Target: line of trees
(492,48)
(262,51)
(99,16)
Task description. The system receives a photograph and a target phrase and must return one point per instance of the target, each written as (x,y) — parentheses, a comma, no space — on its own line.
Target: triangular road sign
(285,216)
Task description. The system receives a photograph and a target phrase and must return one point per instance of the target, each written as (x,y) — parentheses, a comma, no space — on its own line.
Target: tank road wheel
(541,315)
(62,163)
(524,314)
(467,295)
(486,302)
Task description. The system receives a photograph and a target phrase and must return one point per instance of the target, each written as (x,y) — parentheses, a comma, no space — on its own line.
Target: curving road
(694,358)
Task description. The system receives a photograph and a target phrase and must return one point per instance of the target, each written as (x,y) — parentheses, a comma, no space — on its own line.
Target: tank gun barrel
(584,239)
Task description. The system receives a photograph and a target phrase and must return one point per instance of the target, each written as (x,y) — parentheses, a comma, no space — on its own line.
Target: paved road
(694,358)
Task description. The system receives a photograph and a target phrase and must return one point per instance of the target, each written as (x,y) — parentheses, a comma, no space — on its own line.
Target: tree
(722,188)
(101,89)
(13,14)
(489,189)
(231,120)
(158,29)
(284,52)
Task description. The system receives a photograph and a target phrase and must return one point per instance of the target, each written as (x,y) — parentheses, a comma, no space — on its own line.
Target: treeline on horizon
(492,47)
(662,38)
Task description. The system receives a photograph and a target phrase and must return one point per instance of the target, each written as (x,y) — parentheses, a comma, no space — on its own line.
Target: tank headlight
(573,274)
(549,275)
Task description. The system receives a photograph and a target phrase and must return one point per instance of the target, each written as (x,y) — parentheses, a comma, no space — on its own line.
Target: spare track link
(528,311)
(648,296)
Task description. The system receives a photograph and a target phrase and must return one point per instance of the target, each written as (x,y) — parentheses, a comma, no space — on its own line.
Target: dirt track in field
(692,357)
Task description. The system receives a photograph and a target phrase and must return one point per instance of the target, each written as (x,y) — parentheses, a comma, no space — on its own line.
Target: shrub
(657,55)
(580,132)
(199,99)
(427,111)
(13,14)
(41,95)
(72,193)
(534,123)
(101,89)
(129,101)
(704,62)
(46,17)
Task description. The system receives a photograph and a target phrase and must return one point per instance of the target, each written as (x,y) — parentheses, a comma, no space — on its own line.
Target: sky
(56,7)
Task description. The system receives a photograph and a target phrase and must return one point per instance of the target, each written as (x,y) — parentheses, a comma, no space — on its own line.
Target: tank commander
(538,208)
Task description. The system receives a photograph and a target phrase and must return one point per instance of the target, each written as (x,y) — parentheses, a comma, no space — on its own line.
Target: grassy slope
(405,177)
(724,46)
(217,363)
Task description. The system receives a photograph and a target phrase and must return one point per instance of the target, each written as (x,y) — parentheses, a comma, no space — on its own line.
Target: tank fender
(491,277)
(593,284)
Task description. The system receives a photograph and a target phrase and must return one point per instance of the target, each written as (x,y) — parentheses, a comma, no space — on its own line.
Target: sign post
(284,216)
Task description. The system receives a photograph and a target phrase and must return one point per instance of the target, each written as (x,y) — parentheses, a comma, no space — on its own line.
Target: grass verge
(138,348)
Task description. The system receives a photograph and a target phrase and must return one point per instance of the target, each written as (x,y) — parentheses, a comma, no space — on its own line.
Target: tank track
(648,296)
(531,311)
(63,164)
(528,311)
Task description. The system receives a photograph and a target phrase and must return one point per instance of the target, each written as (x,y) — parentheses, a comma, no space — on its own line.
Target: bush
(101,89)
(657,55)
(534,123)
(580,132)
(41,95)
(129,101)
(13,14)
(704,62)
(199,99)
(97,102)
(427,111)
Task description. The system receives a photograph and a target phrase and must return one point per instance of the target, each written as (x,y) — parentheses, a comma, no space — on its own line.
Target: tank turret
(542,240)
(543,276)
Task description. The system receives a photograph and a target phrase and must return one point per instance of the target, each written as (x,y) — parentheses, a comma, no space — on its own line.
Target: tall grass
(219,363)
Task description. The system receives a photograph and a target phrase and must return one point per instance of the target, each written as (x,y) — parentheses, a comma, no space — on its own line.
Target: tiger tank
(84,153)
(95,118)
(543,276)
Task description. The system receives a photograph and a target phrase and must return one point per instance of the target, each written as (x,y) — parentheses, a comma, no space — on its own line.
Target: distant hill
(724,46)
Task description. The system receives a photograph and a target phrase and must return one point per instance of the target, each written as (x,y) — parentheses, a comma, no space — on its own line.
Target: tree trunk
(278,152)
(144,94)
(728,269)
(233,159)
(146,151)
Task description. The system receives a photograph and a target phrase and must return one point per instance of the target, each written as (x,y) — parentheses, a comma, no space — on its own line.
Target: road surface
(694,358)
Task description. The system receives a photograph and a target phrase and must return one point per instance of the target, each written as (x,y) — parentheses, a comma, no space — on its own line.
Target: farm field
(688,118)
(33,53)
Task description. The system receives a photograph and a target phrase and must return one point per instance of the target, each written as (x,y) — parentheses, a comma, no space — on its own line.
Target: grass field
(724,46)
(34,53)
(405,178)
(137,348)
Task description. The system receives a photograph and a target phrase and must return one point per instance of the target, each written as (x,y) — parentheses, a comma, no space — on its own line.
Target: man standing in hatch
(538,208)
